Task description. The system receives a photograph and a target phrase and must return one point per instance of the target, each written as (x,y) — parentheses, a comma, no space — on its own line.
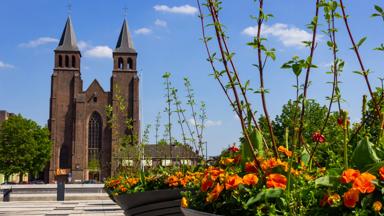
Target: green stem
(345,129)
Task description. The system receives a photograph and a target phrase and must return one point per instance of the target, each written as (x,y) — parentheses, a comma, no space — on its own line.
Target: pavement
(64,208)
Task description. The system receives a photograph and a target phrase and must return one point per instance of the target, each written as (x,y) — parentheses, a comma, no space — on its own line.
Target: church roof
(68,40)
(125,43)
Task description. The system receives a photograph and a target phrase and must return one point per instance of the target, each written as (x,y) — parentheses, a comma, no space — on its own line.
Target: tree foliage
(25,147)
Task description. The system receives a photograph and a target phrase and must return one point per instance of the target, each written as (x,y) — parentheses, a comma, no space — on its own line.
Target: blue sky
(166,34)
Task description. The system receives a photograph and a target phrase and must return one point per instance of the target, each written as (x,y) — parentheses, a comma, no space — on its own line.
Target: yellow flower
(377,206)
(214,194)
(226,161)
(184,202)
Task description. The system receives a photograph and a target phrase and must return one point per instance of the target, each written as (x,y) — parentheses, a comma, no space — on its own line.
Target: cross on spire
(125,12)
(69,7)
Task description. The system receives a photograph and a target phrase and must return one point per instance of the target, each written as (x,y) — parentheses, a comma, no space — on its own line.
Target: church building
(83,139)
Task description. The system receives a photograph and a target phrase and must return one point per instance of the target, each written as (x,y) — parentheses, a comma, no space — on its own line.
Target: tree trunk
(21,177)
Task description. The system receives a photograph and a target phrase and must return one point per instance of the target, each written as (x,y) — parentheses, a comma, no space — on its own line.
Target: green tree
(25,147)
(315,115)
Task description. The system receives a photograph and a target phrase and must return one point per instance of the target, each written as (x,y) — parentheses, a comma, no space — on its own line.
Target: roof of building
(68,40)
(164,151)
(125,43)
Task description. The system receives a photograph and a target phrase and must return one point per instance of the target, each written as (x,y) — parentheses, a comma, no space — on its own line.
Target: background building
(78,118)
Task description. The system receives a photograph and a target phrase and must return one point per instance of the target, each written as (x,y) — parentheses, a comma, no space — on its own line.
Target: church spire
(68,40)
(125,43)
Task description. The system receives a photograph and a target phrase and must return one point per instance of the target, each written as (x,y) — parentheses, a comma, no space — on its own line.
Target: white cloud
(211,123)
(38,42)
(83,45)
(184,9)
(160,23)
(208,123)
(289,36)
(143,31)
(4,65)
(99,52)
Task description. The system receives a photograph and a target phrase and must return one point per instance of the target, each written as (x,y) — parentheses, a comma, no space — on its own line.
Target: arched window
(66,61)
(129,63)
(60,61)
(120,63)
(73,61)
(94,137)
(64,157)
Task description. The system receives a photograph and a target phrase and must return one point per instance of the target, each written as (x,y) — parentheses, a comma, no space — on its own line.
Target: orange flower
(214,172)
(285,151)
(349,175)
(351,197)
(226,161)
(173,181)
(377,206)
(132,181)
(184,202)
(381,173)
(364,183)
(250,179)
(269,164)
(123,189)
(276,181)
(214,194)
(333,199)
(233,181)
(206,183)
(250,167)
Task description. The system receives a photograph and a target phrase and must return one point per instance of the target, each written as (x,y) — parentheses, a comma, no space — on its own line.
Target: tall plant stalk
(337,65)
(261,75)
(191,102)
(168,110)
(364,72)
(179,110)
(157,127)
(212,7)
(314,25)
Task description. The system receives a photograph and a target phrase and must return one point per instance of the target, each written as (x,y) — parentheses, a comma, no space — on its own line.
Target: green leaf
(364,154)
(271,193)
(379,9)
(305,156)
(380,48)
(297,68)
(361,41)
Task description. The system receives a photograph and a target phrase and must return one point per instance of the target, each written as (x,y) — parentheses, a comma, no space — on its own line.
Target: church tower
(84,142)
(124,88)
(65,84)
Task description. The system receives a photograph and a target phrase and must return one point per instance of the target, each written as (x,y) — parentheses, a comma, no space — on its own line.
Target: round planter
(151,203)
(191,212)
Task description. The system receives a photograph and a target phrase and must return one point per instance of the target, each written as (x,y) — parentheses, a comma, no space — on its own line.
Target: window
(147,162)
(126,163)
(60,61)
(94,137)
(120,63)
(186,162)
(73,61)
(166,162)
(66,61)
(129,64)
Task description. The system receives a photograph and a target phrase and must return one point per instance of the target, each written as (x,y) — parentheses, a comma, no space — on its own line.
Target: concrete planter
(151,203)
(191,212)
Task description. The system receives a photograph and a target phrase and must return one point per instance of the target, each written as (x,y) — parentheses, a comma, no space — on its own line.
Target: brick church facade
(78,118)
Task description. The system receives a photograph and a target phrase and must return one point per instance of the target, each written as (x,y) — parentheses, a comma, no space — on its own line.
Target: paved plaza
(88,207)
